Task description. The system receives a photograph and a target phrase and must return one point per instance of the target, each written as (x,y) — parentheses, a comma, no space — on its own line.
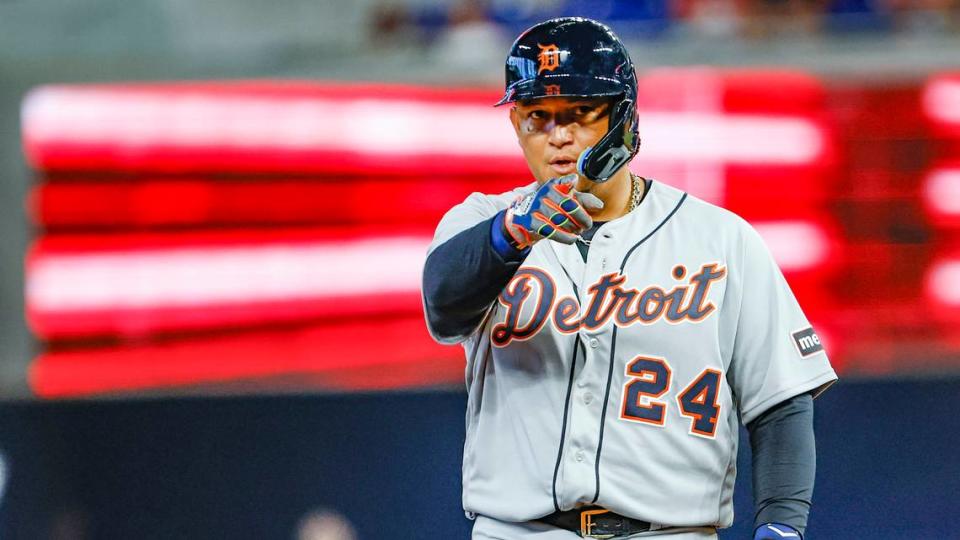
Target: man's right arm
(464,275)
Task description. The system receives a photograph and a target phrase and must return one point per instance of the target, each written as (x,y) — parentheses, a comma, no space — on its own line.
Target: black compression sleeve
(462,277)
(784,462)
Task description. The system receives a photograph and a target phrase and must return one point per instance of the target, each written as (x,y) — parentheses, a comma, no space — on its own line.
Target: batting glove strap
(776,531)
(502,243)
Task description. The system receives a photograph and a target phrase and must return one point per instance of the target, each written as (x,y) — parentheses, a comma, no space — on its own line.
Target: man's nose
(561,134)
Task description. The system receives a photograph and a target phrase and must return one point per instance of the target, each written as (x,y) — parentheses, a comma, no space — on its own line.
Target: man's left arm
(778,366)
(784,466)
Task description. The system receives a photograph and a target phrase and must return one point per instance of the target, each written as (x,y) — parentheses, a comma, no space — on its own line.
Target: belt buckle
(586,524)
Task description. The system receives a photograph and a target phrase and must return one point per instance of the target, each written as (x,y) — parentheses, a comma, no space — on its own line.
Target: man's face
(553,131)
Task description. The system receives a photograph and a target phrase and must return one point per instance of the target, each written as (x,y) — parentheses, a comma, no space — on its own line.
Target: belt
(596,522)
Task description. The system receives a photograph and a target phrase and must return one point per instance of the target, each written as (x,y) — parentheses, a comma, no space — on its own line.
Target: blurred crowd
(665,19)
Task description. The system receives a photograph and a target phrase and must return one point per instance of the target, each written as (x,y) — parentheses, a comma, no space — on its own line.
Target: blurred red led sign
(142,284)
(941,195)
(344,355)
(272,128)
(943,284)
(941,103)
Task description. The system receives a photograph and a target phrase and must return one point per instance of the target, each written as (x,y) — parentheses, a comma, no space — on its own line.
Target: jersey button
(587,398)
(579,456)
(594,343)
(581,384)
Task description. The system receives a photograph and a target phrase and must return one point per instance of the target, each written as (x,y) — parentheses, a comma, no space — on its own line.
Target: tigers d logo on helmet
(549,58)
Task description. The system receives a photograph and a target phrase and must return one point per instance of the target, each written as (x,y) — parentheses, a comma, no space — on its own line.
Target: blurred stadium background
(211,324)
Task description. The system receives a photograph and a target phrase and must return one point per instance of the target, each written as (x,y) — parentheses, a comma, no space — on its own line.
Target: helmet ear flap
(600,161)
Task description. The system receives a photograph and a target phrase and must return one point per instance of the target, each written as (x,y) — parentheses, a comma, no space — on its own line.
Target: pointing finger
(567,180)
(588,200)
(564,184)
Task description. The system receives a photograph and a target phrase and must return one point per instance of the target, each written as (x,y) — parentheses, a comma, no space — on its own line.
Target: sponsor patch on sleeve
(807,342)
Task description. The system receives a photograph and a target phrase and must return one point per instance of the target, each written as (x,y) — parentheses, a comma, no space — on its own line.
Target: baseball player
(616,329)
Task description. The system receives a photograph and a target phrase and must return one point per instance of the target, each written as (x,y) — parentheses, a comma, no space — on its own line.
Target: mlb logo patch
(807,342)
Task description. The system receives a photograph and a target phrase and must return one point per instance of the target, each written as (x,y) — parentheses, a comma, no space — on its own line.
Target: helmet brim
(562,85)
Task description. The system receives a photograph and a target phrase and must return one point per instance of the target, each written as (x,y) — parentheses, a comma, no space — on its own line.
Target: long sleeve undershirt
(784,462)
(463,277)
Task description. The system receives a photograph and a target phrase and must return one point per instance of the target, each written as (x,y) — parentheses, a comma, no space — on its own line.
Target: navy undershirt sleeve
(784,462)
(463,276)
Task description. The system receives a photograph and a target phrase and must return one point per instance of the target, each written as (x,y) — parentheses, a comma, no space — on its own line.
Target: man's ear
(515,120)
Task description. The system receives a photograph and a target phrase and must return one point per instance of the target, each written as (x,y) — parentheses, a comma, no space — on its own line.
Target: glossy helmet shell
(569,56)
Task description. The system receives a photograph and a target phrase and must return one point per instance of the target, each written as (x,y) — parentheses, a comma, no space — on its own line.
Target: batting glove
(776,531)
(555,211)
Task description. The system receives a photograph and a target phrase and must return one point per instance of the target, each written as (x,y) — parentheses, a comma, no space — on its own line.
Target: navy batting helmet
(579,57)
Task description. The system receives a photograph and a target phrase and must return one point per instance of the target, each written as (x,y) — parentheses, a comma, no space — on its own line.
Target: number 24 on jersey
(649,378)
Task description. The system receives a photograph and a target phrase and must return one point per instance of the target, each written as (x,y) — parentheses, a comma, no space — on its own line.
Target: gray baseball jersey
(619,381)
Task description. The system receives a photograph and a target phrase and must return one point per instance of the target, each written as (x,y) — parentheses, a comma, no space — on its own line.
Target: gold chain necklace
(636,193)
